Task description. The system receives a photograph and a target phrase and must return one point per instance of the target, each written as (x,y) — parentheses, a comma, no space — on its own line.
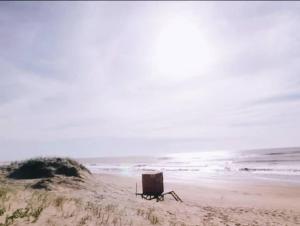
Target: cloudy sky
(135,78)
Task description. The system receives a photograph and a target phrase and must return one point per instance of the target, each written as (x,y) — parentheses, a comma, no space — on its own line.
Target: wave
(203,164)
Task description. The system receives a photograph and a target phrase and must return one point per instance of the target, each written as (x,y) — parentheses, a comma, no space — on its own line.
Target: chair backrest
(153,184)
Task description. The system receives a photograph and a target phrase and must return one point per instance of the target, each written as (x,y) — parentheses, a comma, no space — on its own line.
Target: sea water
(266,164)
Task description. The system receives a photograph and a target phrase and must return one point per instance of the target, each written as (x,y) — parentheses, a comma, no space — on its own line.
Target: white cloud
(84,78)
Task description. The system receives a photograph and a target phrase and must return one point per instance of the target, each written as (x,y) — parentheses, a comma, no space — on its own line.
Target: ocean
(265,164)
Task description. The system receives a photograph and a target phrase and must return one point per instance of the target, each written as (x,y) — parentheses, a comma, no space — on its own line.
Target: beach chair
(153,187)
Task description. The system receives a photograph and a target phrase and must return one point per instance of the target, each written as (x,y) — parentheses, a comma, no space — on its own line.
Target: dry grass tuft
(4,194)
(59,202)
(31,215)
(148,215)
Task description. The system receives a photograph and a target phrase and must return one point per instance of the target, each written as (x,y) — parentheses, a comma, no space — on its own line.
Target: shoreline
(188,179)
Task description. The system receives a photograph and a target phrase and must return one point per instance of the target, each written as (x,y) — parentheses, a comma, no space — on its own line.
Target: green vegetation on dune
(45,168)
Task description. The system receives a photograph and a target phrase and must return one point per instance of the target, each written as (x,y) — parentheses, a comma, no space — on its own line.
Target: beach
(222,203)
(109,199)
(245,188)
(142,113)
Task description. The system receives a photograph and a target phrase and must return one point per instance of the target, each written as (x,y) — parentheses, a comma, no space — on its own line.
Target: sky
(88,79)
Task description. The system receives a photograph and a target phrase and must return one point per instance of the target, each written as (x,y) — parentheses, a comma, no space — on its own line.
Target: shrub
(46,168)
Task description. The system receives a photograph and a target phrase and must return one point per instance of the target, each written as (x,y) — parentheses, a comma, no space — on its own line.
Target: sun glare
(181,49)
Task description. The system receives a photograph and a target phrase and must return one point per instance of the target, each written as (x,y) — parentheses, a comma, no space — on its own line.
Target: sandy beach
(105,199)
(223,203)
